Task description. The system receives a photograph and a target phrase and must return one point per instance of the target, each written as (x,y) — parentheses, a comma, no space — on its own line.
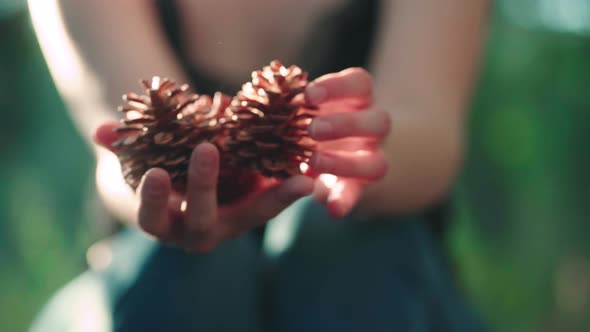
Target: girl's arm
(96,50)
(424,69)
(414,105)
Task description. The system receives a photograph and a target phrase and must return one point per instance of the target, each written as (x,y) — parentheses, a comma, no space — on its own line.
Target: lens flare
(328,180)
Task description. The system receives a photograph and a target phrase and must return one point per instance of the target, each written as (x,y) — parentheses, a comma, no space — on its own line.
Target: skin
(393,140)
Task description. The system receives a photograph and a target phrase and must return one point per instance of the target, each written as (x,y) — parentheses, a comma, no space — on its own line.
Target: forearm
(424,152)
(96,51)
(424,68)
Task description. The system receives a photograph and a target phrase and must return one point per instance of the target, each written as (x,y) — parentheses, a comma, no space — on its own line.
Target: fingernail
(315,94)
(319,129)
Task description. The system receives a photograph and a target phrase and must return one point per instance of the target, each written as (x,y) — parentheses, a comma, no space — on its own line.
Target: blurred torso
(215,31)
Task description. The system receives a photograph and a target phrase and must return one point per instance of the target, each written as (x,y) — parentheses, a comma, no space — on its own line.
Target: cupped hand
(195,221)
(349,129)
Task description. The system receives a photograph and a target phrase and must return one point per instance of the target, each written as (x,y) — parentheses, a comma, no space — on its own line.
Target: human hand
(194,221)
(349,128)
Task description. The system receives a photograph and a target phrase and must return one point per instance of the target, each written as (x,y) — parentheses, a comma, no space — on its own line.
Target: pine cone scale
(272,121)
(162,127)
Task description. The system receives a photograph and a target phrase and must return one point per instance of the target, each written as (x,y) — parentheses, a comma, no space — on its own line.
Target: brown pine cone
(268,132)
(163,126)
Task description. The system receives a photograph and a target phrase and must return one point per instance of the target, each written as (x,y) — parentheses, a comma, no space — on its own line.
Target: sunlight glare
(336,191)
(132,115)
(69,73)
(303,167)
(99,256)
(362,153)
(283,71)
(328,180)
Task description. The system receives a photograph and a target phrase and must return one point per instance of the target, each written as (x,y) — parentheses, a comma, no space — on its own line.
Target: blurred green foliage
(45,176)
(519,239)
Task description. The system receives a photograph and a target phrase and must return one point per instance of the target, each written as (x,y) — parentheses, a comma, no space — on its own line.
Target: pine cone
(268,132)
(164,126)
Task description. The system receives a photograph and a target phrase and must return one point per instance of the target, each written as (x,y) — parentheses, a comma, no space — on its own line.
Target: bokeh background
(522,217)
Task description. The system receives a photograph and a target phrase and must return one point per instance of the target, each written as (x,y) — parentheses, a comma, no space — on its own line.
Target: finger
(369,123)
(348,144)
(176,213)
(367,165)
(154,192)
(322,186)
(343,197)
(201,197)
(269,203)
(352,83)
(106,135)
